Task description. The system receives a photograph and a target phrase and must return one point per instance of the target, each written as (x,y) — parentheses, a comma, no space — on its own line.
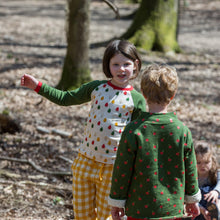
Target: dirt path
(32,40)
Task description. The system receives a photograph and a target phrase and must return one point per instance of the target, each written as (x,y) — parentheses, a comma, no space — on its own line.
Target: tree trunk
(155,26)
(76,64)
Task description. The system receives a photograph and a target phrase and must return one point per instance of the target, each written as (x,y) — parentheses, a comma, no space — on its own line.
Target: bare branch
(113,7)
(65,187)
(54,131)
(66,159)
(65,173)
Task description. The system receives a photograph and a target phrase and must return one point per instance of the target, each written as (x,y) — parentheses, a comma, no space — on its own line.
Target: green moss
(154,27)
(5,112)
(71,81)
(144,38)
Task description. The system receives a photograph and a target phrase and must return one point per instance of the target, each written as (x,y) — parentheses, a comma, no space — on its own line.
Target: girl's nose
(122,68)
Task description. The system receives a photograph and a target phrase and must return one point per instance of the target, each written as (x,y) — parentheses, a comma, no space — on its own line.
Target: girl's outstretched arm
(212,196)
(29,81)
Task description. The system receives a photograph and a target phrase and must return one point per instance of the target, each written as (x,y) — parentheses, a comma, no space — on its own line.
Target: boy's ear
(143,94)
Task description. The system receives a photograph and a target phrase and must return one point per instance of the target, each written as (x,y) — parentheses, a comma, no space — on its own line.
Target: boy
(155,169)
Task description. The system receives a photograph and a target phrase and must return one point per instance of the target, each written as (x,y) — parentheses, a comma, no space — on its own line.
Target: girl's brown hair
(203,149)
(125,48)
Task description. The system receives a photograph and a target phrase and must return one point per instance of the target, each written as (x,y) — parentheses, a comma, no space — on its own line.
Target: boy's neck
(157,108)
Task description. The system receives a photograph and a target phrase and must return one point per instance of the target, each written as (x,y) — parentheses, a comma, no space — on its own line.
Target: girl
(114,103)
(208,181)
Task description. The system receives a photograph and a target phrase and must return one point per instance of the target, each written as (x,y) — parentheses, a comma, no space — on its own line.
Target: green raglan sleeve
(192,191)
(139,104)
(123,169)
(74,97)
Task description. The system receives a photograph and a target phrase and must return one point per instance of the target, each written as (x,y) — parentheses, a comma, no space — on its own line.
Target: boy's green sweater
(155,168)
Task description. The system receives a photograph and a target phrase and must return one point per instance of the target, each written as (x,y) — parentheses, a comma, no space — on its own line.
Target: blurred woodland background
(39,140)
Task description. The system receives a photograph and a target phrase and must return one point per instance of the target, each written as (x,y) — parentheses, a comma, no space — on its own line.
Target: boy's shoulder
(136,92)
(168,120)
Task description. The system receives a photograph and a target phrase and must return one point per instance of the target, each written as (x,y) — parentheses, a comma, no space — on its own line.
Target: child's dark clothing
(205,187)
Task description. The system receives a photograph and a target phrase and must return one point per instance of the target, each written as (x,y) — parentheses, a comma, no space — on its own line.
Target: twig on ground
(66,159)
(38,184)
(64,173)
(54,131)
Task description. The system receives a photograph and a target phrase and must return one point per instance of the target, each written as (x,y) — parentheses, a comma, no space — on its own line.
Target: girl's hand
(117,213)
(205,213)
(212,196)
(29,81)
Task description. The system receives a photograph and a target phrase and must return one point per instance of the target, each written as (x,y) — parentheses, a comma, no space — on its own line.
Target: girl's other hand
(29,81)
(212,196)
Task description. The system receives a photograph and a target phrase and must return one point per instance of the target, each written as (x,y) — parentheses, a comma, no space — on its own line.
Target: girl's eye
(127,64)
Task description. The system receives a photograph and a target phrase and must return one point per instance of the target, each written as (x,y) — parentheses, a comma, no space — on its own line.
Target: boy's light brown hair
(159,83)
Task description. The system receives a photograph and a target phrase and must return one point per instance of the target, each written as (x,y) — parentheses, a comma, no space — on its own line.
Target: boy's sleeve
(65,98)
(122,172)
(139,104)
(192,191)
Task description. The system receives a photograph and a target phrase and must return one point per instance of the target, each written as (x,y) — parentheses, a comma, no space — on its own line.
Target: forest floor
(32,40)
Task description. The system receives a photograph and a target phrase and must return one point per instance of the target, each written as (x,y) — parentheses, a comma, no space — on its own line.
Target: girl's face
(122,69)
(204,164)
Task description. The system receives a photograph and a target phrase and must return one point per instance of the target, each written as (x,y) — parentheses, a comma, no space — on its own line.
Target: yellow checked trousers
(91,188)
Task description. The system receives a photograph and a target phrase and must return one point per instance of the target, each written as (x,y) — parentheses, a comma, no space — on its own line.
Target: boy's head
(120,46)
(159,84)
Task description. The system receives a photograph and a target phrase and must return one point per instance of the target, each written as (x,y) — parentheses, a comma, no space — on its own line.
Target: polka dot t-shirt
(112,108)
